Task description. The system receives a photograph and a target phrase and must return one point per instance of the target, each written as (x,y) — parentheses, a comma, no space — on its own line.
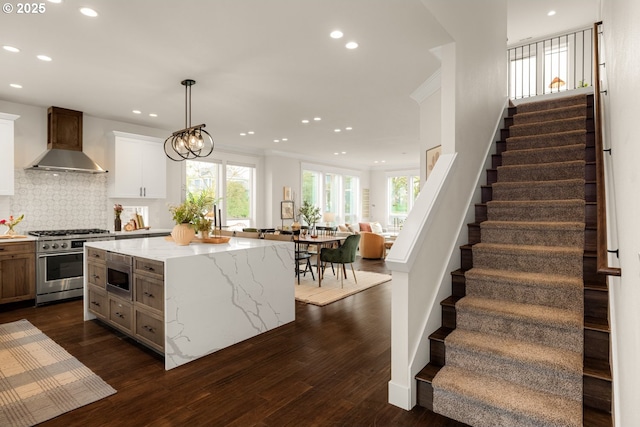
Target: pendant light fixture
(192,141)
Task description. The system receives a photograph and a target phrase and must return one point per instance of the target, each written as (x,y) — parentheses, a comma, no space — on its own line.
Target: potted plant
(191,216)
(310,214)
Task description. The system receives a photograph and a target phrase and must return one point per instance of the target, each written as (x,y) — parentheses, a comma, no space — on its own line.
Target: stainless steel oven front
(60,264)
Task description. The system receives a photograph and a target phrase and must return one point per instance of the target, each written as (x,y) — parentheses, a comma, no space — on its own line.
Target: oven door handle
(59,254)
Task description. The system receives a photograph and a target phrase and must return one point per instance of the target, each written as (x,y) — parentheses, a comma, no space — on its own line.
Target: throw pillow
(365,226)
(376,227)
(343,228)
(353,229)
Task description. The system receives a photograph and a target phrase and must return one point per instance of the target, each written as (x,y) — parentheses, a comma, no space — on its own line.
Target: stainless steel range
(60,262)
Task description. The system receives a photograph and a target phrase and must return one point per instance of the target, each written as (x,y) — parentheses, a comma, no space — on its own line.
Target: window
(402,193)
(232,186)
(332,192)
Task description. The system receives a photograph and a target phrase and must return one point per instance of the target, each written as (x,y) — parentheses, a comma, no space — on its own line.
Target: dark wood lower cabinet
(17,272)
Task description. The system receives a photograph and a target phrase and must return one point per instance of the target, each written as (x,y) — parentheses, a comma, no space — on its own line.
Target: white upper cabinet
(6,154)
(137,167)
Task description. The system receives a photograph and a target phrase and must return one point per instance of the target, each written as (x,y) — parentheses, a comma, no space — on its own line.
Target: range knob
(54,246)
(63,245)
(45,246)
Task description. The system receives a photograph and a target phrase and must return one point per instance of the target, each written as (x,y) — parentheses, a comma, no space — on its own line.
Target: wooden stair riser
(596,303)
(597,393)
(594,344)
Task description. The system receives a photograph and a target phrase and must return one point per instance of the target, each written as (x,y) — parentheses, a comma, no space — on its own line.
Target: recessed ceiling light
(348,128)
(55,1)
(383,161)
(285,139)
(153,115)
(317,119)
(137,112)
(243,134)
(305,121)
(11,49)
(44,58)
(336,34)
(351,45)
(344,152)
(335,154)
(375,161)
(551,13)
(337,130)
(276,140)
(16,86)
(251,132)
(86,11)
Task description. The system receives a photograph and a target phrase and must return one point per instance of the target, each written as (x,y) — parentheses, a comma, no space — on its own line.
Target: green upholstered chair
(345,254)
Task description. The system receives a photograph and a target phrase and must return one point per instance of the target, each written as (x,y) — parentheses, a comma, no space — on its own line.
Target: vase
(204,234)
(295,226)
(183,234)
(10,232)
(117,224)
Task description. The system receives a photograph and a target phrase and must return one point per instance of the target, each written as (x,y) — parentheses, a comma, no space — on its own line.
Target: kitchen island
(189,301)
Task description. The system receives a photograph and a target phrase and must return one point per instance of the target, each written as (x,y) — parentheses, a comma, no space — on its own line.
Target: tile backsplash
(60,200)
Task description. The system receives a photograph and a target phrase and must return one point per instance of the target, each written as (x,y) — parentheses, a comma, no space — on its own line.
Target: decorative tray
(210,240)
(12,236)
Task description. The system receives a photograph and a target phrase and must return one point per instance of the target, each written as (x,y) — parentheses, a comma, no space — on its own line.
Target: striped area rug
(331,291)
(39,380)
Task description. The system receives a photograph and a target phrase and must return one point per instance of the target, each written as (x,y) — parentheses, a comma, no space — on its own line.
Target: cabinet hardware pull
(147,294)
(141,191)
(149,268)
(95,276)
(149,328)
(120,315)
(145,191)
(95,303)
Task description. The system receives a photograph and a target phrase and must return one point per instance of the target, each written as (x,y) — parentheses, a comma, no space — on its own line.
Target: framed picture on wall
(432,157)
(286,193)
(286,209)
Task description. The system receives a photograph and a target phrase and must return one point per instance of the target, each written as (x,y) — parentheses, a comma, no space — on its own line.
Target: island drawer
(96,254)
(15,248)
(149,291)
(97,301)
(97,274)
(121,313)
(150,328)
(148,266)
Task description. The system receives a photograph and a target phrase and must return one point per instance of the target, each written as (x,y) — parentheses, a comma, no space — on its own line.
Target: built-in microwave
(119,274)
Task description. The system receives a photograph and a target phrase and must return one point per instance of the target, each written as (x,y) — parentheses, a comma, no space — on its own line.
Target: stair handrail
(603,266)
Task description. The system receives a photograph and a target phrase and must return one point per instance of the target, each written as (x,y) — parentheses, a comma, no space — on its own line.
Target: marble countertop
(149,231)
(158,248)
(27,238)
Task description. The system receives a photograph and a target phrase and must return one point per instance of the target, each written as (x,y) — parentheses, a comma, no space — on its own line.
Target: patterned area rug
(39,380)
(330,291)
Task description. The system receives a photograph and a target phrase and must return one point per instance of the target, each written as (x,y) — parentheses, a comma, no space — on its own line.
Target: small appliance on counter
(60,262)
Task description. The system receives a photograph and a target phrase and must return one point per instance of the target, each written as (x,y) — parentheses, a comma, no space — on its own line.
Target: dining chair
(344,254)
(303,257)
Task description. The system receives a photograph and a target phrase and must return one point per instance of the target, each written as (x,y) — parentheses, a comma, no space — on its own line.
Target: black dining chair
(344,254)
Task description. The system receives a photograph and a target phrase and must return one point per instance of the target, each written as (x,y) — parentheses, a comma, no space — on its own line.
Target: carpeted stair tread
(539,367)
(539,190)
(549,127)
(552,290)
(543,155)
(551,326)
(529,258)
(542,171)
(536,210)
(567,101)
(481,400)
(546,115)
(557,139)
(538,233)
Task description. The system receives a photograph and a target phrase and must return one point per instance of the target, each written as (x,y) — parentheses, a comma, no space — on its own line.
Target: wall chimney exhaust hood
(64,144)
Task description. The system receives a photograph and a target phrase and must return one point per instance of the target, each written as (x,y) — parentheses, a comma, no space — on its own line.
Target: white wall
(621,41)
(473,94)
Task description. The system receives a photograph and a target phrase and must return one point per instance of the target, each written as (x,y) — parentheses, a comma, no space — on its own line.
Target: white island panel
(215,300)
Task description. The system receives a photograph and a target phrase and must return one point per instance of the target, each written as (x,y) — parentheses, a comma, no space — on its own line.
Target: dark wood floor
(328,368)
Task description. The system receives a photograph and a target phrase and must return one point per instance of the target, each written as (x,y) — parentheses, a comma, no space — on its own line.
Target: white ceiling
(260,65)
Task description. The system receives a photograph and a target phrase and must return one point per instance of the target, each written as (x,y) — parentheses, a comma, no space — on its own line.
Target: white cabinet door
(139,167)
(6,154)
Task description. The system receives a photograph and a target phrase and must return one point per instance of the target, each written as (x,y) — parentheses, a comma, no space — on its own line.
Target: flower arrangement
(11,222)
(117,210)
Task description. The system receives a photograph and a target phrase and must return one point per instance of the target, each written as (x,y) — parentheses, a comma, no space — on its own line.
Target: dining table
(319,242)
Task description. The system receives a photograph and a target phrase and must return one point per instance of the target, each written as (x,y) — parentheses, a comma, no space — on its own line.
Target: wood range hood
(64,144)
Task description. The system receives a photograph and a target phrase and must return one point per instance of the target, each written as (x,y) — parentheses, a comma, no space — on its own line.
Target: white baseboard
(400,396)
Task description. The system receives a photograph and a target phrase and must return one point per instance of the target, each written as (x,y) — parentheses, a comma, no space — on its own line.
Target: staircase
(524,338)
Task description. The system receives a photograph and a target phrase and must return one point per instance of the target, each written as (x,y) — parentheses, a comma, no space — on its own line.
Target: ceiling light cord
(188,143)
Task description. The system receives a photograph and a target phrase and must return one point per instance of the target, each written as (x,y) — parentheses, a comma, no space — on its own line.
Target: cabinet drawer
(150,328)
(121,313)
(97,301)
(149,292)
(96,254)
(97,274)
(148,266)
(15,248)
